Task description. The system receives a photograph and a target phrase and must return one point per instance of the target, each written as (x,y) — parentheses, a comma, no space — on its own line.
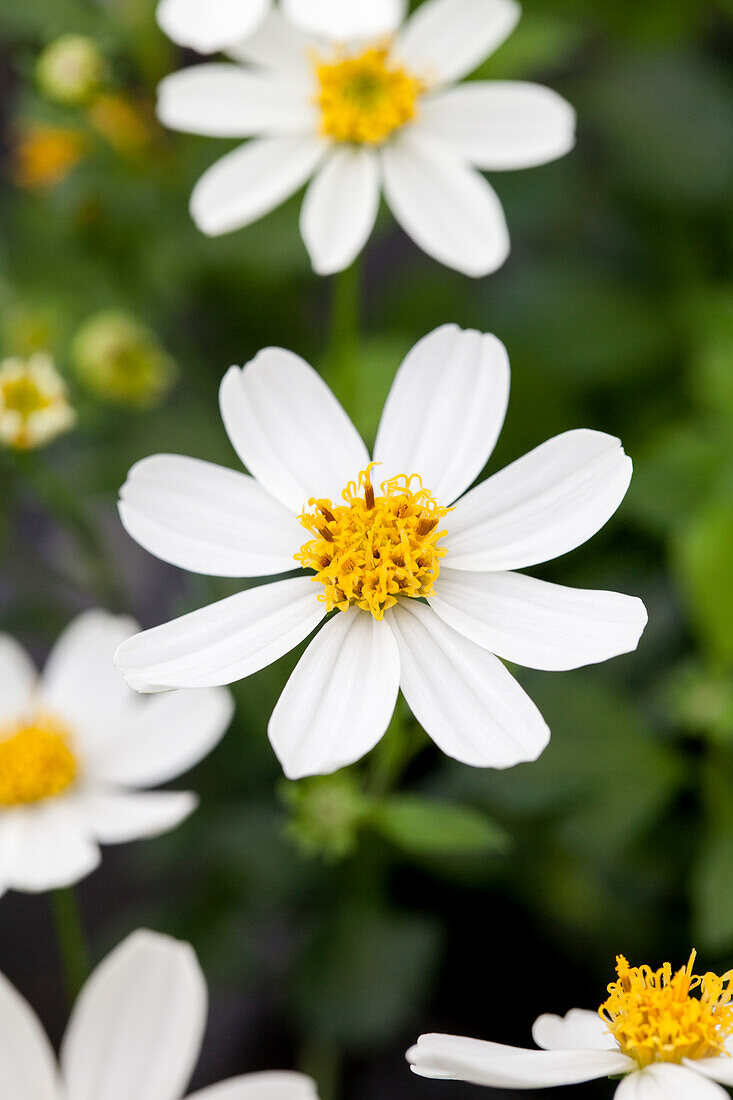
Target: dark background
(329,939)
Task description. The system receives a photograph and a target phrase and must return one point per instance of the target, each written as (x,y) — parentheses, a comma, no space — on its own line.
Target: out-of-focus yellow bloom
(45,155)
(34,407)
(71,70)
(122,122)
(29,327)
(121,360)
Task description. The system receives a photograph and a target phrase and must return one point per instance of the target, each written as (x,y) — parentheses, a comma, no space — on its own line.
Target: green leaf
(704,556)
(425,826)
(712,892)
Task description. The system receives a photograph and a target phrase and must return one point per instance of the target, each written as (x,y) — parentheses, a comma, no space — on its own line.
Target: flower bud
(71,70)
(120,359)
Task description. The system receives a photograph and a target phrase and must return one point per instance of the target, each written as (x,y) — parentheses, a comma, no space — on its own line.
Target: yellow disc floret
(373,549)
(653,1016)
(365,98)
(35,762)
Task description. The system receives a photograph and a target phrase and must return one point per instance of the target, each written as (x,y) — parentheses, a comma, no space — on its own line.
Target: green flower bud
(328,811)
(70,70)
(119,359)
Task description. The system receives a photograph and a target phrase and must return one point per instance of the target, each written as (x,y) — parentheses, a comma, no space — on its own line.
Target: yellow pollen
(373,549)
(653,1017)
(35,762)
(364,99)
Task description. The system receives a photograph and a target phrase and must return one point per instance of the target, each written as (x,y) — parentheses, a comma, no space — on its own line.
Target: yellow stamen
(365,98)
(653,1017)
(374,549)
(35,762)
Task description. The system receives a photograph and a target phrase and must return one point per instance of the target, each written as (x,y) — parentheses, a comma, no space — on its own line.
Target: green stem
(72,944)
(319,1059)
(343,350)
(67,507)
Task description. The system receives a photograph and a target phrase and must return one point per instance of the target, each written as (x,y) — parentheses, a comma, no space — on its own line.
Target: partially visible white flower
(135,1033)
(211,25)
(670,1035)
(422,583)
(370,117)
(77,748)
(34,406)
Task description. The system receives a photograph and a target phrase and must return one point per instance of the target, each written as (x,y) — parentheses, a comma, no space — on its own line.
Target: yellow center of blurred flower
(35,762)
(364,99)
(653,1016)
(45,156)
(373,549)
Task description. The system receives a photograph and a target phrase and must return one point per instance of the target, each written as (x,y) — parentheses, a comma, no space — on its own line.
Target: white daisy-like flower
(135,1034)
(223,24)
(422,587)
(669,1035)
(359,119)
(34,404)
(77,747)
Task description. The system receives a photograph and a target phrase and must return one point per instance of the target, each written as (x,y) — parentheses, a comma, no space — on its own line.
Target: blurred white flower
(371,117)
(34,406)
(77,746)
(669,1035)
(379,555)
(135,1034)
(223,24)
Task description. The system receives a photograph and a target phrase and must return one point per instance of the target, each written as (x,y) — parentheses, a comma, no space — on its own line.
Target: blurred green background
(338,918)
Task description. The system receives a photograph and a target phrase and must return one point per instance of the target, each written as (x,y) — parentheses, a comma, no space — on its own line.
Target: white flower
(221,24)
(135,1034)
(77,746)
(365,118)
(34,406)
(667,1043)
(311,500)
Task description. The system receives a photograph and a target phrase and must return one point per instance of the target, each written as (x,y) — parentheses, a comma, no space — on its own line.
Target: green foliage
(427,827)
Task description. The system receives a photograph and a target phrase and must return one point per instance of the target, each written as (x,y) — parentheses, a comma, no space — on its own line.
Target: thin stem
(319,1059)
(343,351)
(72,944)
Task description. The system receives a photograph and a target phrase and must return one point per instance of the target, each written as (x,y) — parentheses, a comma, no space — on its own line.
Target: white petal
(225,641)
(541,506)
(210,26)
(448,209)
(446,39)
(45,847)
(445,410)
(501,124)
(277,44)
(18,678)
(340,208)
(220,99)
(345,20)
(116,817)
(170,734)
(536,624)
(27,1062)
(80,682)
(668,1082)
(339,700)
(483,1063)
(289,430)
(252,180)
(272,1085)
(462,696)
(717,1069)
(137,1025)
(208,519)
(579,1029)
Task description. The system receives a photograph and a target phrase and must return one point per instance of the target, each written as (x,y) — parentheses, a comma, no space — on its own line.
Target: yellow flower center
(653,1017)
(23,395)
(35,762)
(373,549)
(365,98)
